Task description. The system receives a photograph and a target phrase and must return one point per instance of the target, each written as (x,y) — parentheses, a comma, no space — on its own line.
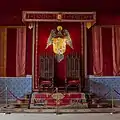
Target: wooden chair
(73,77)
(46,71)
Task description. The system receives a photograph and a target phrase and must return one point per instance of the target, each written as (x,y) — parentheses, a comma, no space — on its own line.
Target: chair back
(73,66)
(46,66)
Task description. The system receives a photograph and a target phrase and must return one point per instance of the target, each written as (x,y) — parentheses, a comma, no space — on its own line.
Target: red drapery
(21,51)
(44,30)
(101,19)
(28,64)
(97,51)
(3,51)
(89,52)
(107,51)
(102,51)
(13,51)
(16,51)
(116,50)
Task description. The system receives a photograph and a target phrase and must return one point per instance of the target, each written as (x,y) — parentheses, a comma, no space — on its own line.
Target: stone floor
(87,116)
(59,111)
(12,109)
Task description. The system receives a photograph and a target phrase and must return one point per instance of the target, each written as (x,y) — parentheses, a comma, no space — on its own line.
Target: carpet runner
(62,100)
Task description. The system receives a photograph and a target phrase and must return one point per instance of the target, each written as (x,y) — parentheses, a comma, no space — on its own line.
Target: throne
(73,77)
(46,75)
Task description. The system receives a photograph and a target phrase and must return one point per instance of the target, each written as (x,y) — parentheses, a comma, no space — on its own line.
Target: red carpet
(52,100)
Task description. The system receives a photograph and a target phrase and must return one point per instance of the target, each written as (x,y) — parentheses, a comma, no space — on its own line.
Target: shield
(59,45)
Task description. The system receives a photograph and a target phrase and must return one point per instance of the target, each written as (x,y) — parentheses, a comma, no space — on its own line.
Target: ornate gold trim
(57,12)
(36,57)
(101,49)
(12,26)
(82,38)
(33,47)
(3,42)
(113,39)
(85,50)
(24,14)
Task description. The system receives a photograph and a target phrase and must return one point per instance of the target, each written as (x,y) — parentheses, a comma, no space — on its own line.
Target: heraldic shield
(59,38)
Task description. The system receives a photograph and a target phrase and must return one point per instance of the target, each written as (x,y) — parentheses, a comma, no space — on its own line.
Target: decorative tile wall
(105,84)
(17,87)
(20,86)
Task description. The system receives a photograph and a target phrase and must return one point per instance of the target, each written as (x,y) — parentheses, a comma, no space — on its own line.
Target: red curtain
(102,51)
(3,51)
(43,34)
(28,51)
(107,51)
(11,51)
(97,51)
(21,51)
(89,52)
(116,50)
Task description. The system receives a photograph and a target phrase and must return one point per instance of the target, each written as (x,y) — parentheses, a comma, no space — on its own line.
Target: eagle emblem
(59,38)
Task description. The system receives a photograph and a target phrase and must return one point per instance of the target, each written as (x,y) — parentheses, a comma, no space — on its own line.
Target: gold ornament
(59,16)
(59,38)
(59,28)
(88,25)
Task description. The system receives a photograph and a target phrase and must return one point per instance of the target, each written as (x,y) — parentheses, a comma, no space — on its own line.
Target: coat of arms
(59,38)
